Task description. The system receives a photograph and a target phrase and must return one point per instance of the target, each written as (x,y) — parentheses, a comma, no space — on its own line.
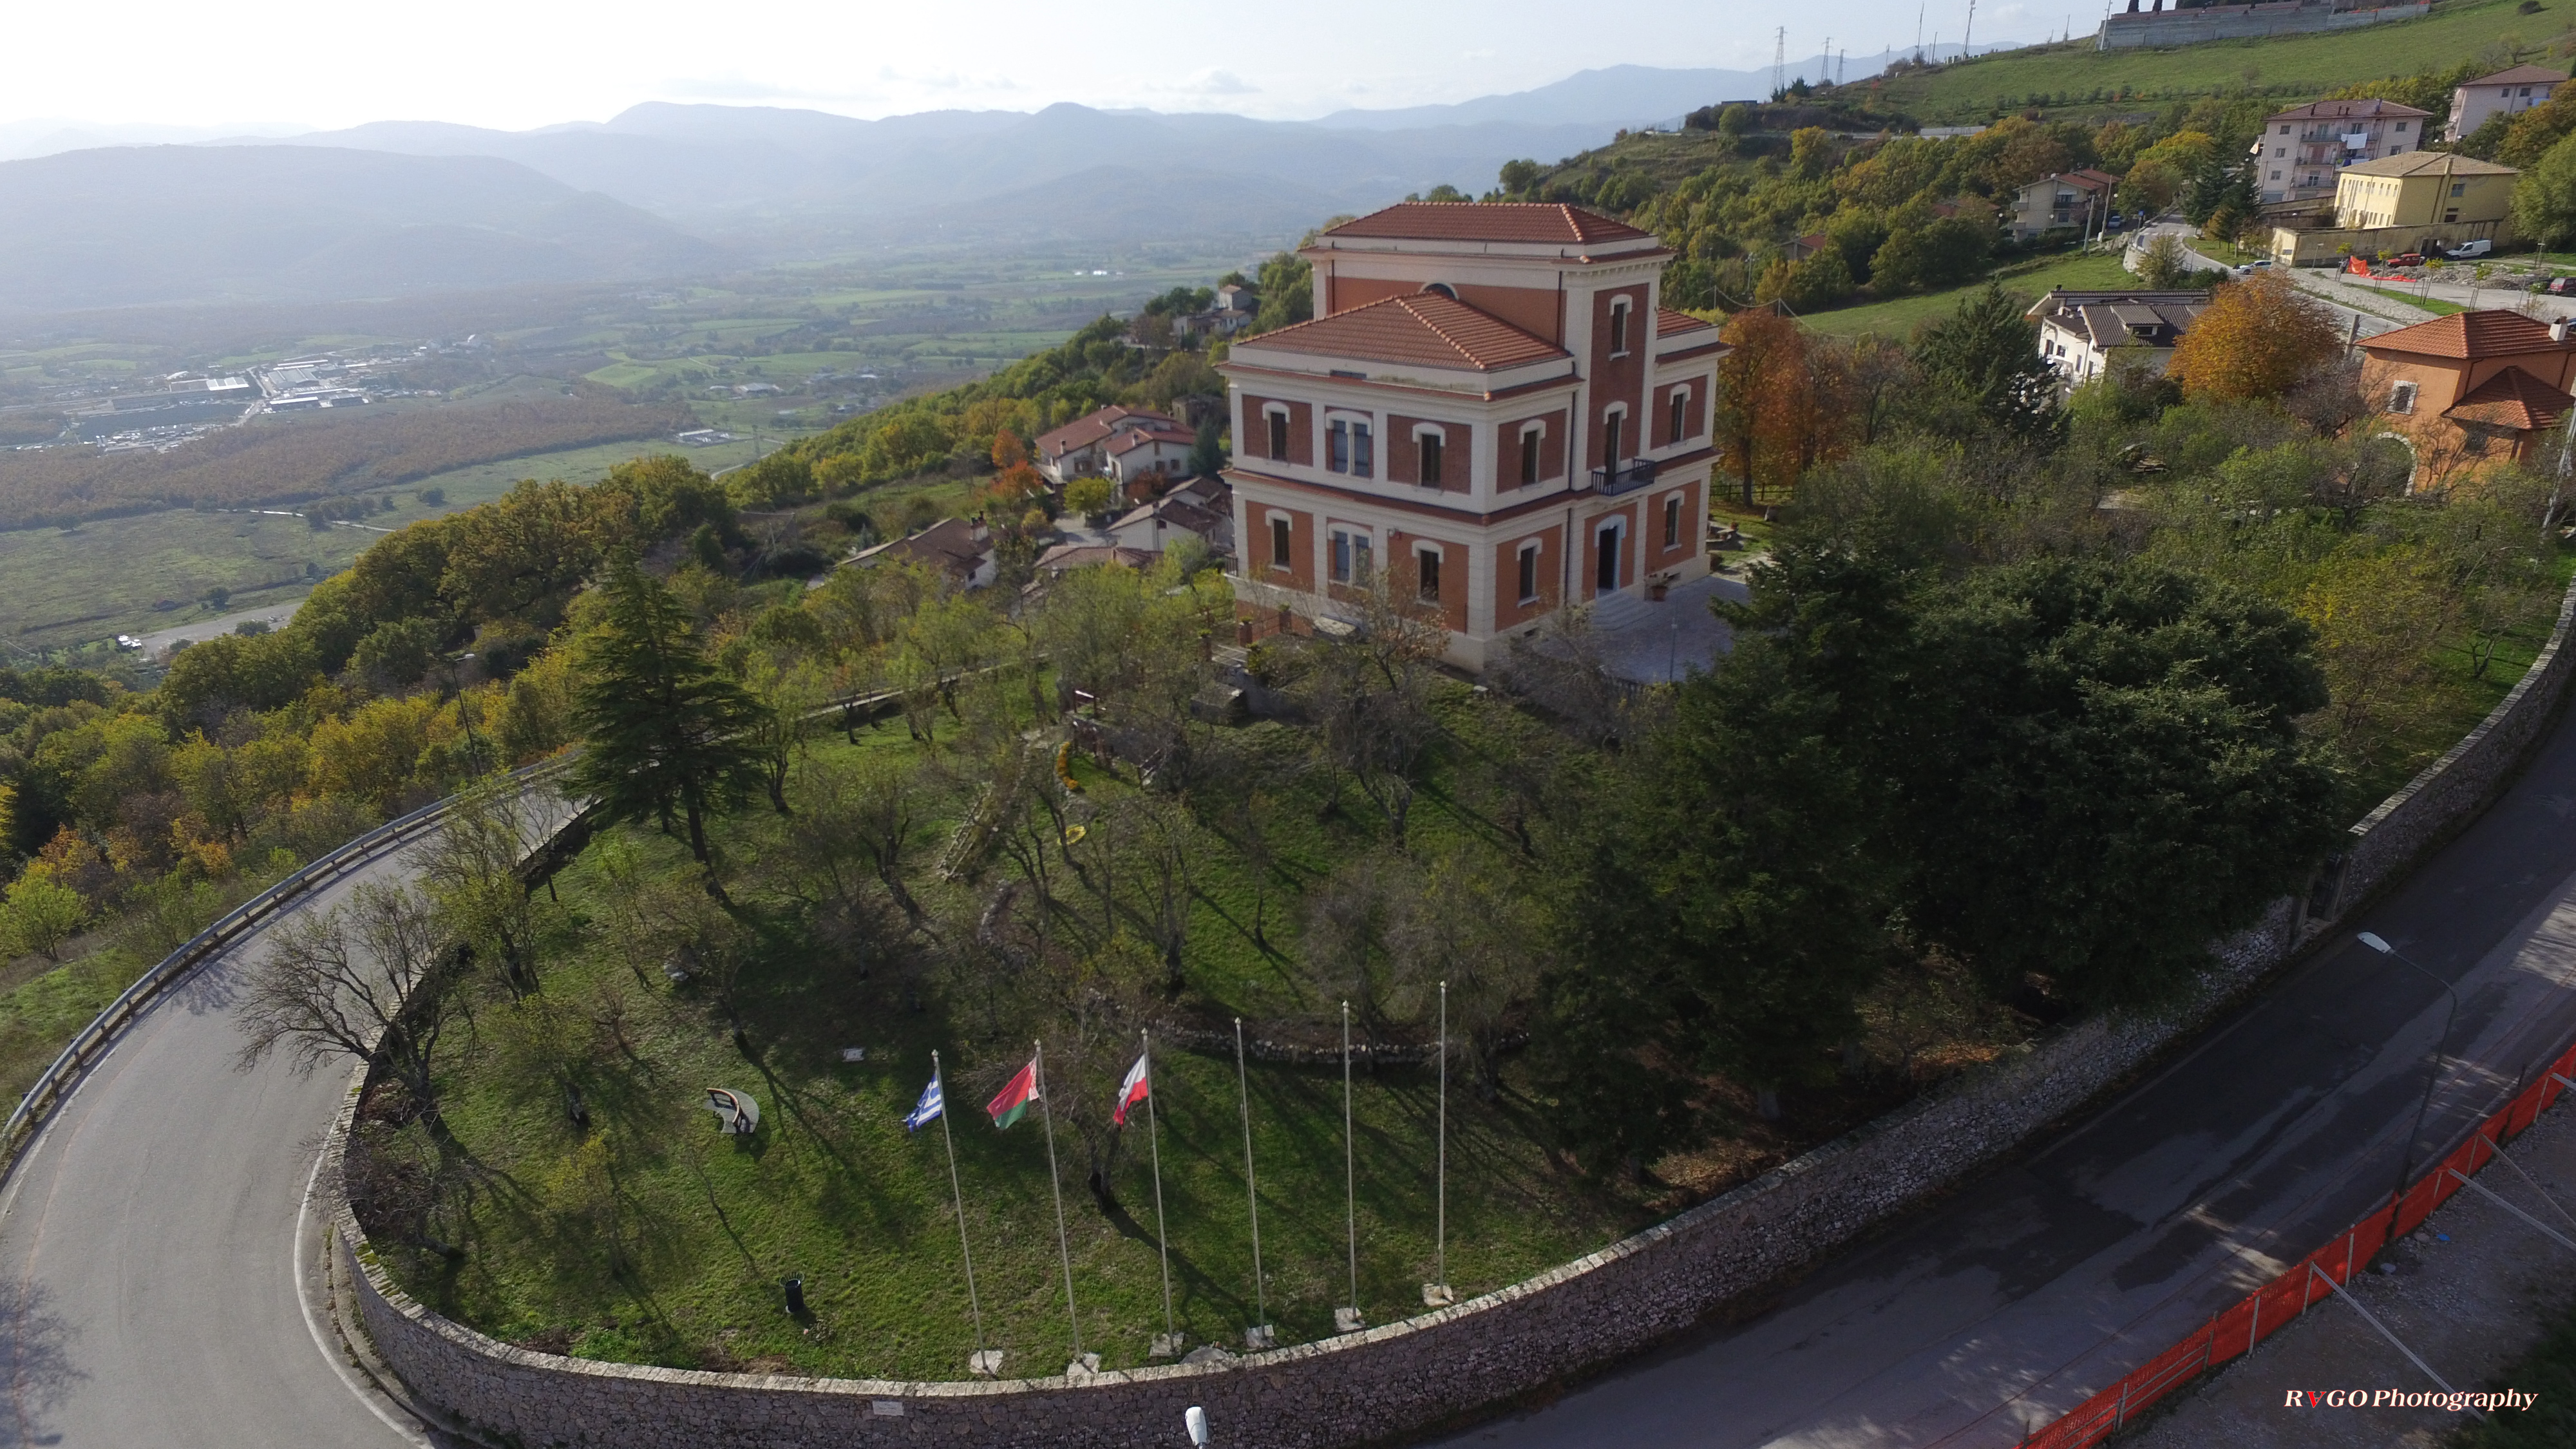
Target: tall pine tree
(662,730)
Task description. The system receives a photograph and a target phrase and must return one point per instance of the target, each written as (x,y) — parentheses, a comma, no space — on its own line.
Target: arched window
(1444,289)
(1619,327)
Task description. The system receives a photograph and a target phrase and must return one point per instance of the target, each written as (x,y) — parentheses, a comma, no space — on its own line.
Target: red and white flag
(1132,1091)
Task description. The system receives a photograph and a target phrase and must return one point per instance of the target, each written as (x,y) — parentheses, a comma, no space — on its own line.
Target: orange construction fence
(2270,1308)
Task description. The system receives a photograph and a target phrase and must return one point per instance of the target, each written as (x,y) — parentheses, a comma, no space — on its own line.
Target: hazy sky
(533,62)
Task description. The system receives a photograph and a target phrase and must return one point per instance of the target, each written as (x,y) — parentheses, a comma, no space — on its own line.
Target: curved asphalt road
(156,1261)
(155,1252)
(2047,1277)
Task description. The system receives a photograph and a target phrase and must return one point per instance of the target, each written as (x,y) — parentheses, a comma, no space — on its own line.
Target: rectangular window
(1341,557)
(1430,445)
(1278,437)
(1681,414)
(1529,573)
(1610,438)
(1338,446)
(1618,328)
(1363,460)
(2401,398)
(1673,521)
(1281,555)
(2458,187)
(1426,573)
(1529,455)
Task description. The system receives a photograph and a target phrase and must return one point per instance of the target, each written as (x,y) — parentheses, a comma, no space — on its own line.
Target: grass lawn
(653,1239)
(833,1188)
(1899,316)
(2434,305)
(2065,78)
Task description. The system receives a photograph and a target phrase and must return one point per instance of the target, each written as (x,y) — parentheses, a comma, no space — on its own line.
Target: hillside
(2076,81)
(127,226)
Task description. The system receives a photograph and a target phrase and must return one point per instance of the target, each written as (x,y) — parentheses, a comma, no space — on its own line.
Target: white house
(1203,507)
(1082,446)
(2078,331)
(1131,453)
(2474,103)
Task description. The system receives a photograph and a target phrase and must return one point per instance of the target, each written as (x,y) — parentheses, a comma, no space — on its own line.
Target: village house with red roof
(1492,409)
(2471,388)
(1085,445)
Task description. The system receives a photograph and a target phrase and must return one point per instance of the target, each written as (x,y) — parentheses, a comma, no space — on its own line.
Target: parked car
(2406,259)
(2469,249)
(2250,268)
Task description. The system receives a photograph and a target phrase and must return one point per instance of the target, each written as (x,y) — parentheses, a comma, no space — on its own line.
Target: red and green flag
(1015,1097)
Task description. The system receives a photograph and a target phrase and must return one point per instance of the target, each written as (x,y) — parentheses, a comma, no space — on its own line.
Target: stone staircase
(1612,612)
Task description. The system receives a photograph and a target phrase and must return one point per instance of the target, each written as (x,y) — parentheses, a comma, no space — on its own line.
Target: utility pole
(1968,40)
(1825,60)
(1918,29)
(1779,61)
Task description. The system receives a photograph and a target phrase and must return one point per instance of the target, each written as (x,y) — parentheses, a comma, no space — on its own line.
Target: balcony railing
(1614,481)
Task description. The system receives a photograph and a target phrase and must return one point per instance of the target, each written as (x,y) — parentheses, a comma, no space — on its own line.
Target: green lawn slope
(2074,80)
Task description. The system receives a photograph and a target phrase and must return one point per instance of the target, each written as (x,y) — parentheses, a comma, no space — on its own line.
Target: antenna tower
(1969,39)
(1779,61)
(1918,29)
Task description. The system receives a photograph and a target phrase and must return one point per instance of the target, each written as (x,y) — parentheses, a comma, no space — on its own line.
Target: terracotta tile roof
(2344,111)
(2409,163)
(2521,75)
(1488,221)
(1426,329)
(2512,399)
(2468,336)
(1669,322)
(952,543)
(1130,439)
(1068,556)
(1082,432)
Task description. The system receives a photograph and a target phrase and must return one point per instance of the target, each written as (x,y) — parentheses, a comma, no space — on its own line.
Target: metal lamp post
(2441,1049)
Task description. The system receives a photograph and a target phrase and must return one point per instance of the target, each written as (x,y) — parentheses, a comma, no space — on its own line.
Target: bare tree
(1371,694)
(361,981)
(471,870)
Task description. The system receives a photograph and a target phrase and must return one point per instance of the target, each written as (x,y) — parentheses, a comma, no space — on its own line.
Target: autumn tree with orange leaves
(2256,339)
(1781,399)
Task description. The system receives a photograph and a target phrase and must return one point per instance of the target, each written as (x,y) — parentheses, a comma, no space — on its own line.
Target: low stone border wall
(1406,1376)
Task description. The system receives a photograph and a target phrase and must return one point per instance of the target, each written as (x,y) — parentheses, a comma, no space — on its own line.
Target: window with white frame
(2401,398)
(1532,437)
(1351,448)
(1283,554)
(1529,572)
(1613,423)
(1430,447)
(1673,520)
(1426,572)
(1619,328)
(1679,409)
(1352,555)
(1276,419)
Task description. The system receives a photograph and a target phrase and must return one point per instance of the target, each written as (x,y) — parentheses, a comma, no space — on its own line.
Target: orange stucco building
(1492,409)
(2472,387)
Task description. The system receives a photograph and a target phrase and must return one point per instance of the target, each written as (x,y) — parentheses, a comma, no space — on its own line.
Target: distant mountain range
(665,189)
(133,225)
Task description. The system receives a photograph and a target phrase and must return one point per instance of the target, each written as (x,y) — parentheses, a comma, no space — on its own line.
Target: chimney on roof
(2559,329)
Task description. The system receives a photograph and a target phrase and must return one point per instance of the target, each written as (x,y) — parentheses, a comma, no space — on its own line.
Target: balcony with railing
(1611,482)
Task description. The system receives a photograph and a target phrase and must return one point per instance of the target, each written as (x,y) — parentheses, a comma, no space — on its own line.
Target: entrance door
(1605,579)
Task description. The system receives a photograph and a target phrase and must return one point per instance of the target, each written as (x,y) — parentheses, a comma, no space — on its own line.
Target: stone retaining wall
(1442,1365)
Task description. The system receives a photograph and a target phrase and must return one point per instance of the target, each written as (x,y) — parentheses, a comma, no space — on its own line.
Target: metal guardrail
(101,1029)
(1611,482)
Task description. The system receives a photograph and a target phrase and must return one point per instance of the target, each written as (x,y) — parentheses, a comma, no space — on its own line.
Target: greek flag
(927,1110)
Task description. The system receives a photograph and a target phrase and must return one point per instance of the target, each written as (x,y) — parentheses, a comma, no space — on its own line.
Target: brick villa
(1491,407)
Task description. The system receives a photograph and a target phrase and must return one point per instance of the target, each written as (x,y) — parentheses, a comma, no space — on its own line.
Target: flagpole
(974,1305)
(1251,1194)
(1154,1135)
(1440,1249)
(1350,1174)
(1055,1184)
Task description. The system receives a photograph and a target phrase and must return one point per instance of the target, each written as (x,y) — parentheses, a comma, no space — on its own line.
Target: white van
(2468,249)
